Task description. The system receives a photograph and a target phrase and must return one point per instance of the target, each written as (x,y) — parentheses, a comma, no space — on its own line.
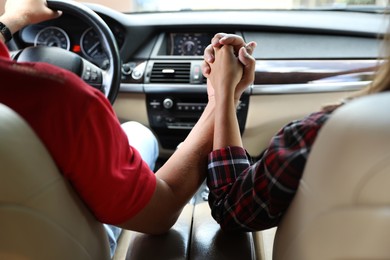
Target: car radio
(172,116)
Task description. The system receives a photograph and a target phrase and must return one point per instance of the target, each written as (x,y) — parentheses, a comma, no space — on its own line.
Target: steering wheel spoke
(92,75)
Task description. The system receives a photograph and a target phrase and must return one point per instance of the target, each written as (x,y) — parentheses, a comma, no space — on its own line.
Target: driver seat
(41,216)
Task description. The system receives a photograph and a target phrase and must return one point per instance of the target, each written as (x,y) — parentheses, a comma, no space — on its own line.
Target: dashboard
(70,34)
(304,59)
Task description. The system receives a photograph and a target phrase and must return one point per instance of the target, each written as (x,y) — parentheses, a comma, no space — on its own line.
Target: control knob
(168,103)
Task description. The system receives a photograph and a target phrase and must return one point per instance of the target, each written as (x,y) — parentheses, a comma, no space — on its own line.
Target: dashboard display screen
(188,44)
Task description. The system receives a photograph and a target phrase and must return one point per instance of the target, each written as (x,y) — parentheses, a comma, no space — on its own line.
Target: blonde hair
(381,81)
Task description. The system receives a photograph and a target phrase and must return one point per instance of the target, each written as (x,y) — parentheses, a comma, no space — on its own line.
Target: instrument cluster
(80,39)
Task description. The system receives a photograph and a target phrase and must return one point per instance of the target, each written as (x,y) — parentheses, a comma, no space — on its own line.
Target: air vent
(164,72)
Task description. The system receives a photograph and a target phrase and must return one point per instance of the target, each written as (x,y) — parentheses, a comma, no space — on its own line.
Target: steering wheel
(107,80)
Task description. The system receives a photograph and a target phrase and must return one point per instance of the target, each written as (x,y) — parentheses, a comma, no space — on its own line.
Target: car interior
(148,65)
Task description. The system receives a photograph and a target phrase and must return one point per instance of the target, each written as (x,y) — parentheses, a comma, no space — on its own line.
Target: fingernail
(253,44)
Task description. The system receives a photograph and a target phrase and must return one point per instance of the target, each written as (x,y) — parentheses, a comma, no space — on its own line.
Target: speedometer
(91,46)
(52,36)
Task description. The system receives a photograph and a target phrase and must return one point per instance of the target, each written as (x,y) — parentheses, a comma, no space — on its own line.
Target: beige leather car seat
(342,207)
(41,217)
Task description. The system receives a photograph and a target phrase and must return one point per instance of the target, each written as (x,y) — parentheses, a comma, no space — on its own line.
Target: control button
(137,70)
(127,69)
(87,76)
(158,119)
(155,104)
(170,119)
(168,103)
(137,74)
(196,74)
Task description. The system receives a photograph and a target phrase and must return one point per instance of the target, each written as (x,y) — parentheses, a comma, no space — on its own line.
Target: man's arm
(178,179)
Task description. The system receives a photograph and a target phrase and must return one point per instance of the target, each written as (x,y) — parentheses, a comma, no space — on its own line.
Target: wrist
(224,94)
(14,24)
(5,32)
(225,103)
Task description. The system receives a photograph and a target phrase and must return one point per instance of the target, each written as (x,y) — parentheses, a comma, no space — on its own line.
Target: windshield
(130,6)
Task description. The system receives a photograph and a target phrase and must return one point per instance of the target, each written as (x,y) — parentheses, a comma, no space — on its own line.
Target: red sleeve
(109,175)
(3,50)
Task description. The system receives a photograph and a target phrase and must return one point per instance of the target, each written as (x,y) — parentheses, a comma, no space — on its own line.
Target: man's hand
(20,13)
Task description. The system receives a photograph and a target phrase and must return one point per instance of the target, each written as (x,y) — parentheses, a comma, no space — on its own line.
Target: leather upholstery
(209,242)
(342,207)
(172,245)
(41,217)
(195,235)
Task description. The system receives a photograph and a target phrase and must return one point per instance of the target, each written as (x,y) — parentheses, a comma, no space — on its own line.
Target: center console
(176,91)
(172,115)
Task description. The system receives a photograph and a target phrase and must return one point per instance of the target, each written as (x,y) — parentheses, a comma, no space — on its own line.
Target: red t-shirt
(82,133)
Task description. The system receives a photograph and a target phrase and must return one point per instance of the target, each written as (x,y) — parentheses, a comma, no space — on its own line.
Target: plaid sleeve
(225,165)
(249,197)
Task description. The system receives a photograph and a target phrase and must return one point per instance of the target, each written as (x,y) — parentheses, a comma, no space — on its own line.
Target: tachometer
(52,36)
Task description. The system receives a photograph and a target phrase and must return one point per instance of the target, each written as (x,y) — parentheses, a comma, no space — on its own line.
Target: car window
(134,6)
(186,5)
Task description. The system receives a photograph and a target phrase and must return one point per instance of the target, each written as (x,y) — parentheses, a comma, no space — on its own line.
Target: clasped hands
(228,65)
